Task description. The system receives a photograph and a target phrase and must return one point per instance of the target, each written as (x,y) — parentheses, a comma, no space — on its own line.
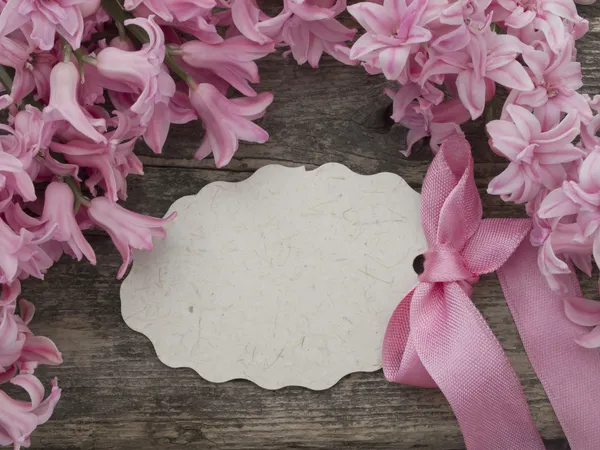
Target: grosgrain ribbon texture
(437,338)
(569,372)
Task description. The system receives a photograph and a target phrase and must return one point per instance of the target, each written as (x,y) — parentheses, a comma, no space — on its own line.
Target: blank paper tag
(286,278)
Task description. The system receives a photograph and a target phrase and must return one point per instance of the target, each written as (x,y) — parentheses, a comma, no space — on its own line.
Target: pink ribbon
(436,337)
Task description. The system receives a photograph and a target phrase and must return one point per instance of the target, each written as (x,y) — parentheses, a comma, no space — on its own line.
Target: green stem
(80,199)
(122,31)
(67,50)
(119,15)
(6,79)
(178,70)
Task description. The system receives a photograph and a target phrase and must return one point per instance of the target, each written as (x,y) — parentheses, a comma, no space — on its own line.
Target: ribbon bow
(436,337)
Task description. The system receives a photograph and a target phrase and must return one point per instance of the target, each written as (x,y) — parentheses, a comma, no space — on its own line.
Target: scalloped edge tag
(286,278)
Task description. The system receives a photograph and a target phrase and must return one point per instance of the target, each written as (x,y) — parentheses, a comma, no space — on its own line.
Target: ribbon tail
(401,364)
(568,372)
(468,364)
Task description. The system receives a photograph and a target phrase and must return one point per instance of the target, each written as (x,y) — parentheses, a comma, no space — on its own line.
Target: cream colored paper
(286,278)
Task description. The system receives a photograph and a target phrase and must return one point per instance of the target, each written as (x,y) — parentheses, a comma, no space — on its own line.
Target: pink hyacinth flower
(308,40)
(556,77)
(250,21)
(12,339)
(58,212)
(32,131)
(585,312)
(21,254)
(468,17)
(489,56)
(48,17)
(63,104)
(578,197)
(19,419)
(19,347)
(310,29)
(232,60)
(536,156)
(548,16)
(558,247)
(16,54)
(139,72)
(589,134)
(14,178)
(128,230)
(424,113)
(393,31)
(225,121)
(108,164)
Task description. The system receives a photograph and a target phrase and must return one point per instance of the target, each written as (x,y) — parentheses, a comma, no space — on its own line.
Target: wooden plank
(117,395)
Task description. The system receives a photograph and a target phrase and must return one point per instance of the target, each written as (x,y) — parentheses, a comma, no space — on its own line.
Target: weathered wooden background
(116,393)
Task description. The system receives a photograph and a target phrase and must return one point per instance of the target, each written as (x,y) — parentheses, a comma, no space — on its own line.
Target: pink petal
(526,122)
(366,44)
(392,61)
(33,386)
(307,11)
(46,408)
(583,263)
(535,98)
(42,350)
(537,60)
(26,310)
(339,52)
(332,31)
(557,204)
(590,340)
(560,155)
(245,17)
(554,30)
(252,107)
(582,311)
(513,76)
(9,163)
(508,182)
(418,35)
(453,14)
(565,9)
(574,102)
(315,51)
(437,66)
(471,91)
(453,41)
(561,134)
(43,33)
(158,128)
(10,19)
(373,17)
(520,18)
(505,138)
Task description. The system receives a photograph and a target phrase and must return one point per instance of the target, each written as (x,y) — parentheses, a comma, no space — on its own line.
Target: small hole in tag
(419,264)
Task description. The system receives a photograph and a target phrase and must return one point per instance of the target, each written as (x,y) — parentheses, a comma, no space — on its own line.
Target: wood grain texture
(117,395)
